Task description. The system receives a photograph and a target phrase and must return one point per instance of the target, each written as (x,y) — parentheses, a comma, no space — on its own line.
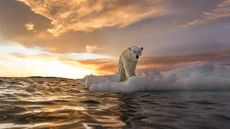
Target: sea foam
(198,77)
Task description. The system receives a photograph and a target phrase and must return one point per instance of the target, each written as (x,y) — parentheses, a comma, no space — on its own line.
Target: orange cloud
(102,66)
(88,15)
(92,48)
(221,11)
(29,26)
(109,66)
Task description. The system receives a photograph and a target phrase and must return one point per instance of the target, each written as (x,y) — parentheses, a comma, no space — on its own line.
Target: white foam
(204,77)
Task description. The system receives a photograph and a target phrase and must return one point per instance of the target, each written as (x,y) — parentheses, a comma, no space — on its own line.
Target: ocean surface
(65,103)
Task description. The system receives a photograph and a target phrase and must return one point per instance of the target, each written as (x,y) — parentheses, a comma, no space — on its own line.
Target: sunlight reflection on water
(64,103)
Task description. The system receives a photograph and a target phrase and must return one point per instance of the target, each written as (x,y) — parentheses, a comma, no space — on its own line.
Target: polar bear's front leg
(128,72)
(128,69)
(122,74)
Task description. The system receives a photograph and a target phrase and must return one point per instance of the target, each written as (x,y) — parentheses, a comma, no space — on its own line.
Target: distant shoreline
(41,77)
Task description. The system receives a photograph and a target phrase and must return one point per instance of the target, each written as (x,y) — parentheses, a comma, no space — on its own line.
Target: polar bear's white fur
(128,61)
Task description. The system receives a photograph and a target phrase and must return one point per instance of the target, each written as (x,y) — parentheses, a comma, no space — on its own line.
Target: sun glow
(41,67)
(19,61)
(59,69)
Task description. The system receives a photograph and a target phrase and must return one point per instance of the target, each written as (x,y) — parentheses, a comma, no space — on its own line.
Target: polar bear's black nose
(137,57)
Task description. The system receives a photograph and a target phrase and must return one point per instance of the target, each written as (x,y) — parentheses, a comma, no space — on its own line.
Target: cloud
(221,11)
(9,48)
(159,34)
(102,66)
(92,48)
(16,18)
(87,56)
(29,26)
(88,15)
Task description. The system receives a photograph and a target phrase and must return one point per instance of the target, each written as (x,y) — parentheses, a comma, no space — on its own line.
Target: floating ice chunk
(206,77)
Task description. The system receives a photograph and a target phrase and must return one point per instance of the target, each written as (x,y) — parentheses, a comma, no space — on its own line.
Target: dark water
(64,103)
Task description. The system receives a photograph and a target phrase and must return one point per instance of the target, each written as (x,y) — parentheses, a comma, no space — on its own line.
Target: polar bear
(128,61)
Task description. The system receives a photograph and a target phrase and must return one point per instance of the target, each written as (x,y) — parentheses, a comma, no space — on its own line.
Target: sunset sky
(74,38)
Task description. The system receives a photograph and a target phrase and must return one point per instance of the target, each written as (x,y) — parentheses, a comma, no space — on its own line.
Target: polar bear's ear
(141,48)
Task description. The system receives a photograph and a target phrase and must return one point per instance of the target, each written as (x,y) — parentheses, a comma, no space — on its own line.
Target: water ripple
(64,103)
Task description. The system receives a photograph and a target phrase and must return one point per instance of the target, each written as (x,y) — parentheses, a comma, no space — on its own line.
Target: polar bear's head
(135,52)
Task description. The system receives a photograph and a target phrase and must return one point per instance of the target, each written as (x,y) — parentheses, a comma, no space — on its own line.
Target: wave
(196,77)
